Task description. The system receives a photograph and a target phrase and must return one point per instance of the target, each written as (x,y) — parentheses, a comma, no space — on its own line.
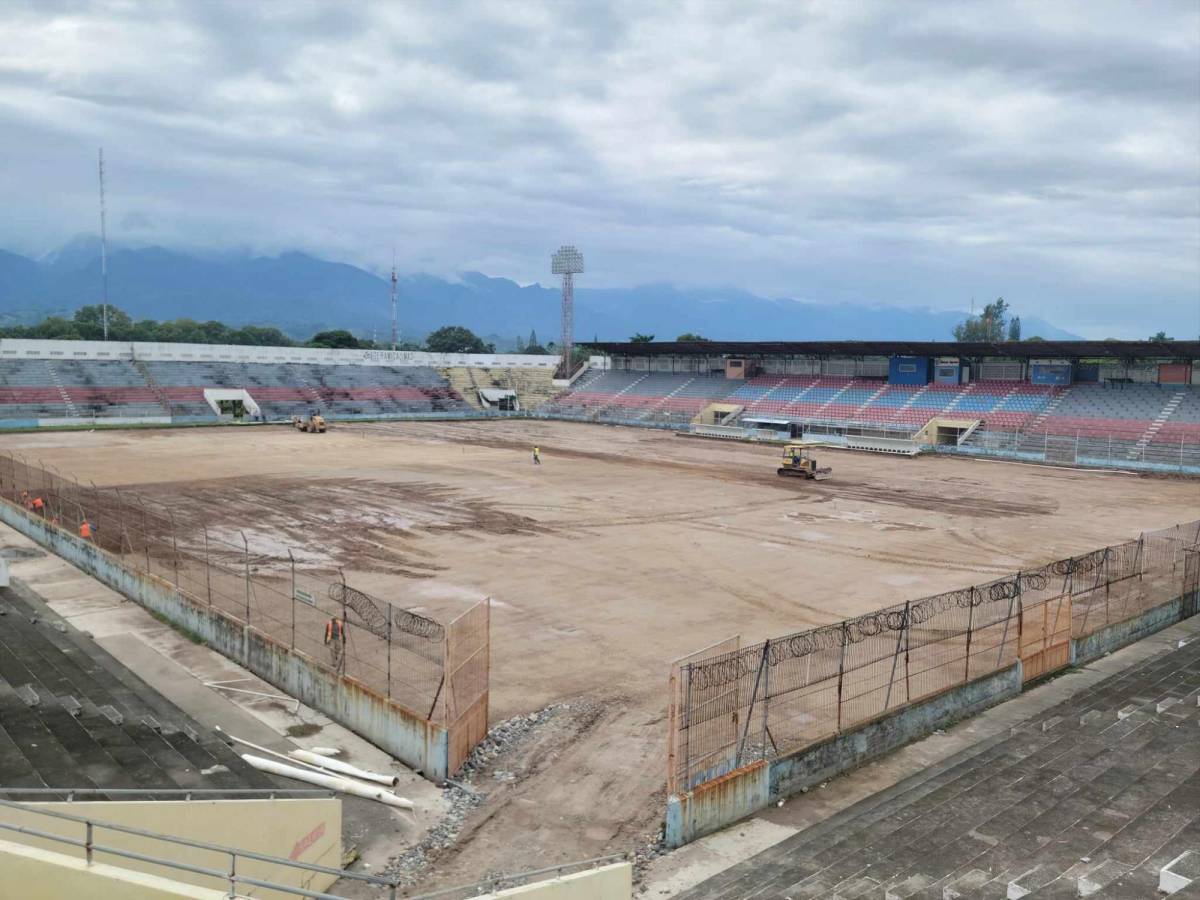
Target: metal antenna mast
(103,250)
(395,332)
(567,262)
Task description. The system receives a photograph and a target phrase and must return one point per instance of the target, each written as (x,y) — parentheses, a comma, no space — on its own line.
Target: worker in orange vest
(85,530)
(39,506)
(335,631)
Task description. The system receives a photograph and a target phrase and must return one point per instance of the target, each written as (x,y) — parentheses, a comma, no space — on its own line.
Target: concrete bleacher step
(1155,426)
(1073,792)
(96,724)
(1048,409)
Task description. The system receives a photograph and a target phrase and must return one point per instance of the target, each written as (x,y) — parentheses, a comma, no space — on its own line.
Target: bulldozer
(313,424)
(798,461)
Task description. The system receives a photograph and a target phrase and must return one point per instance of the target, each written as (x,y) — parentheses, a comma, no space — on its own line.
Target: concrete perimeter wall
(404,733)
(305,830)
(715,804)
(22,348)
(45,875)
(613,882)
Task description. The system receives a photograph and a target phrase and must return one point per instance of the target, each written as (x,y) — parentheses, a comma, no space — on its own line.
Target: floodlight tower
(567,262)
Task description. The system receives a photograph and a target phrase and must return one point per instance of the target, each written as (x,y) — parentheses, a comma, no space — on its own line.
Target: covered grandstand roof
(1186,350)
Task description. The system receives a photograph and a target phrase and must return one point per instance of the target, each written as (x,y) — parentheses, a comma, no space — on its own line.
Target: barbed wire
(374,619)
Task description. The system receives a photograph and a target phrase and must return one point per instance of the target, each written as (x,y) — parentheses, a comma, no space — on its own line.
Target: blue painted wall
(908,370)
(947,373)
(1050,373)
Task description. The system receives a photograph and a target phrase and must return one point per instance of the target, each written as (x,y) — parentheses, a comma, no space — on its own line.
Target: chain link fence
(730,705)
(254,580)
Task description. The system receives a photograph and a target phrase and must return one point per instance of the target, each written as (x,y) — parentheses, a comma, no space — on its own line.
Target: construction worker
(335,631)
(39,506)
(85,530)
(537,456)
(25,501)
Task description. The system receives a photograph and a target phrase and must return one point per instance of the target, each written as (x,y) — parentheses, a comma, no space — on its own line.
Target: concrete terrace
(1091,796)
(71,716)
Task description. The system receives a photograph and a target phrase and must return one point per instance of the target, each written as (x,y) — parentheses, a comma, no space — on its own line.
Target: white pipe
(325,751)
(342,768)
(333,782)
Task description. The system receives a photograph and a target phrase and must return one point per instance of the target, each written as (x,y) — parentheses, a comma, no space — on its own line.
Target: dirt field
(625,549)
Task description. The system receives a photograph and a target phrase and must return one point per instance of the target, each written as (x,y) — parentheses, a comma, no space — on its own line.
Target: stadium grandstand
(1077,402)
(1107,403)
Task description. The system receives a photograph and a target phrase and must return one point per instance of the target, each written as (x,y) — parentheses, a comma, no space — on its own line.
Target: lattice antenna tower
(395,330)
(567,261)
(103,251)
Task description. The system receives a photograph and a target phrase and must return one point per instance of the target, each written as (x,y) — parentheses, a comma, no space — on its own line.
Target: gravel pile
(463,796)
(502,737)
(649,851)
(408,865)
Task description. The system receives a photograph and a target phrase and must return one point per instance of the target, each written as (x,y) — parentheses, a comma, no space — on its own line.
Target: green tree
(988,326)
(1161,337)
(695,338)
(1014,328)
(338,339)
(533,346)
(640,338)
(456,339)
(89,322)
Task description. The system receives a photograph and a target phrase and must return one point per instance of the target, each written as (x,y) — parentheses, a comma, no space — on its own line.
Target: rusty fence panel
(729,706)
(464,696)
(257,581)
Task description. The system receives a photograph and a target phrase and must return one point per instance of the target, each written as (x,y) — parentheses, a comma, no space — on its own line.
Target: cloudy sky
(895,153)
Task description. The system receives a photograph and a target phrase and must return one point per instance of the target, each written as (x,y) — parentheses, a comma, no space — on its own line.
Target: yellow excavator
(799,462)
(314,424)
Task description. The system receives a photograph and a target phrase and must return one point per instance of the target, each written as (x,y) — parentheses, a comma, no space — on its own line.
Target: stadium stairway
(1091,797)
(71,716)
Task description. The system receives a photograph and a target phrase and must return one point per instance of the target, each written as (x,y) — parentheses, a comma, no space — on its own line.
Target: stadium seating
(1135,412)
(285,389)
(651,398)
(48,389)
(43,388)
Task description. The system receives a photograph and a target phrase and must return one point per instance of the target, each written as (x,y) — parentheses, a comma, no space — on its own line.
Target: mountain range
(302,294)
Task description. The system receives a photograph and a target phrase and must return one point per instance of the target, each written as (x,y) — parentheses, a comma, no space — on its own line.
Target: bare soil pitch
(625,549)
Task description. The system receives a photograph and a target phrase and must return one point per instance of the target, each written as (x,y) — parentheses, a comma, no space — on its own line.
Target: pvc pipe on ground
(325,751)
(346,769)
(342,768)
(333,782)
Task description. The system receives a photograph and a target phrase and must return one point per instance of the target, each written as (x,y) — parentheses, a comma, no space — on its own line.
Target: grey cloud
(897,153)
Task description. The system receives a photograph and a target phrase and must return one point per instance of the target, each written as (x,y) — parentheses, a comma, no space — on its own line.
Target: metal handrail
(186,793)
(90,848)
(499,879)
(232,852)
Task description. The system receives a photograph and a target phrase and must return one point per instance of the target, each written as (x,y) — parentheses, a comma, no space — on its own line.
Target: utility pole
(395,331)
(103,251)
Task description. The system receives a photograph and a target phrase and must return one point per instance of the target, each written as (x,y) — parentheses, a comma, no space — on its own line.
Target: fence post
(687,740)
(246,546)
(292,561)
(841,672)
(145,535)
(389,649)
(887,700)
(207,566)
(121,519)
(174,549)
(970,626)
(766,695)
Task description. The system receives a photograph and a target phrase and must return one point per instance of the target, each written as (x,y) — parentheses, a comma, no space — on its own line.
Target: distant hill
(302,294)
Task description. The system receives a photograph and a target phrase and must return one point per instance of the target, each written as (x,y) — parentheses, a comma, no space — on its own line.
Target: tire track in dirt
(929,496)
